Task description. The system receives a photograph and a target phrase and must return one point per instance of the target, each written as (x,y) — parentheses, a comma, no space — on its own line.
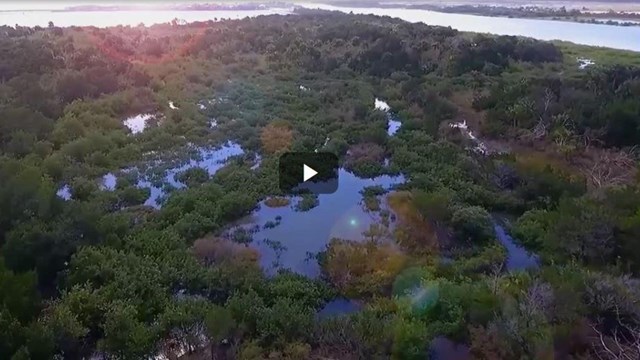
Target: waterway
(131,18)
(518,258)
(618,37)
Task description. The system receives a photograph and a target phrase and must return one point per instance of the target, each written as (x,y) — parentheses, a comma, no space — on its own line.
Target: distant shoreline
(516,10)
(162,7)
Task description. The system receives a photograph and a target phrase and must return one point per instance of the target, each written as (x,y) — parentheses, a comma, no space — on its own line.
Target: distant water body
(618,37)
(132,17)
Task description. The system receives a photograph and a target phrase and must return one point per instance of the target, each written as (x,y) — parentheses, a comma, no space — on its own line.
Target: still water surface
(518,258)
(132,17)
(618,37)
(301,233)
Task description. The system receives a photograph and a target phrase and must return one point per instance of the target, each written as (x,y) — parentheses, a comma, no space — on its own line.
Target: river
(618,37)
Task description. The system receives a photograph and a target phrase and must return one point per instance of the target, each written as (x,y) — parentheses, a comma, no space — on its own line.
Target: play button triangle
(307,172)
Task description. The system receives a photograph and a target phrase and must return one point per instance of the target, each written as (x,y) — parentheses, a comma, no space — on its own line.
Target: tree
(285,321)
(472,224)
(235,204)
(276,137)
(411,340)
(489,343)
(21,119)
(220,328)
(193,176)
(184,325)
(26,193)
(582,229)
(525,322)
(125,337)
(67,329)
(616,327)
(18,294)
(10,334)
(73,85)
(362,269)
(531,228)
(435,206)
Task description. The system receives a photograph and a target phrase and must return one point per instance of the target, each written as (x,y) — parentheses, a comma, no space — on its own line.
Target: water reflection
(129,17)
(393,124)
(518,258)
(618,37)
(137,123)
(210,159)
(64,192)
(108,182)
(443,348)
(338,307)
(300,234)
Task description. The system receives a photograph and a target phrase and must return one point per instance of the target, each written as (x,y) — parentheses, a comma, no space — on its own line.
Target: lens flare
(415,286)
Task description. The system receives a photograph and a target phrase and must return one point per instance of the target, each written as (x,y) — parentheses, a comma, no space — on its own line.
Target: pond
(301,234)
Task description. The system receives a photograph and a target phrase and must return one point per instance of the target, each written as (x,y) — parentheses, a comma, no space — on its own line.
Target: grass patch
(413,231)
(601,55)
(277,201)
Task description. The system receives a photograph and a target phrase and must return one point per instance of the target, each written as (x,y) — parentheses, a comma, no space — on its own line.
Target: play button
(307,172)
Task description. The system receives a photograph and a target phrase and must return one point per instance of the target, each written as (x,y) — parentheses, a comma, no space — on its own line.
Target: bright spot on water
(64,192)
(584,63)
(393,126)
(137,123)
(480,146)
(381,105)
(108,182)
